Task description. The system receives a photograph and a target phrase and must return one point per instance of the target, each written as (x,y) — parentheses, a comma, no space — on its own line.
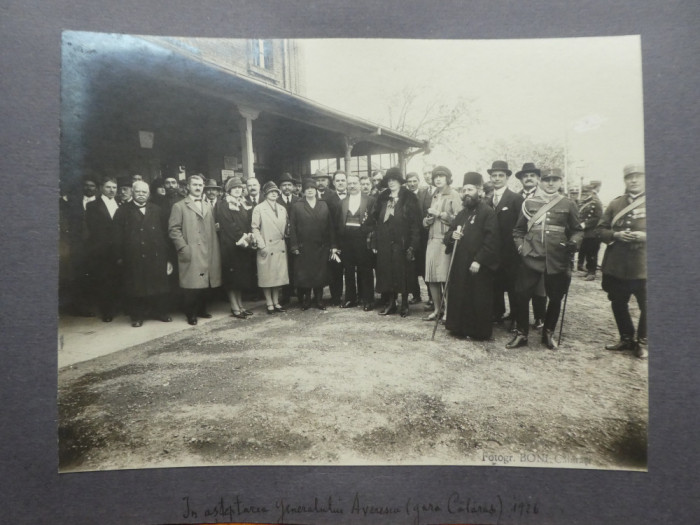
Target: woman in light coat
(445,206)
(269,226)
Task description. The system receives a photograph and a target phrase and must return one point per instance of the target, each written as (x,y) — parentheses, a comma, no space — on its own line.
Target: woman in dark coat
(141,241)
(312,241)
(233,217)
(396,240)
(476,257)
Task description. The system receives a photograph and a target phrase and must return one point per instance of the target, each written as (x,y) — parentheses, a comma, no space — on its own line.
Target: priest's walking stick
(447,281)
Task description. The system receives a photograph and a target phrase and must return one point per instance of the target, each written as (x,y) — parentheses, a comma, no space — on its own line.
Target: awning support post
(246,128)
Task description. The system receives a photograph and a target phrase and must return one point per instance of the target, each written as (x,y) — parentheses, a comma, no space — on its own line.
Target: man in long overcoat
(506,204)
(547,233)
(101,248)
(312,241)
(286,199)
(142,250)
(475,259)
(193,231)
(624,228)
(356,256)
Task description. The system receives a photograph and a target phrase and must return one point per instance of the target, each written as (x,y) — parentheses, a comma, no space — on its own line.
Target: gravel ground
(351,387)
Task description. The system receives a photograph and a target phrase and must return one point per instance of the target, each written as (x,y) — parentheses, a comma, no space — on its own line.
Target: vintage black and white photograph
(351,252)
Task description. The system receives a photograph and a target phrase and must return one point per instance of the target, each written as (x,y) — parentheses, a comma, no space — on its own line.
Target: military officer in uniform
(590,212)
(547,233)
(623,228)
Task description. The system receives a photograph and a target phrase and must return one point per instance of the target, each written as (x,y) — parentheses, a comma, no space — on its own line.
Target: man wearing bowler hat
(529,176)
(547,233)
(506,204)
(623,228)
(212,190)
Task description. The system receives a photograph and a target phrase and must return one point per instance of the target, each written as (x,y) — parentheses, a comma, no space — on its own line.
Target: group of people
(474,243)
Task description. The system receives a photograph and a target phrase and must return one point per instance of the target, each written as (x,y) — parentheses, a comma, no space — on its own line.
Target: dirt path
(349,387)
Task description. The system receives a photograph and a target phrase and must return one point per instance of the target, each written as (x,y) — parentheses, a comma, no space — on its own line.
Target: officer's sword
(566,297)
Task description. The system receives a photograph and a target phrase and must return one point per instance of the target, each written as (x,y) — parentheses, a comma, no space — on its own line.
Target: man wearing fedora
(547,233)
(506,204)
(590,212)
(529,177)
(623,228)
(212,191)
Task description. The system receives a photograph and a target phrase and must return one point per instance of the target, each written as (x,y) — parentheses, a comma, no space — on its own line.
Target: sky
(585,93)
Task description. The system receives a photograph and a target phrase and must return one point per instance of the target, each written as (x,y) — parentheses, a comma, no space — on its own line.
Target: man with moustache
(623,228)
(476,257)
(102,249)
(377,178)
(330,197)
(590,212)
(254,198)
(506,204)
(365,185)
(142,250)
(172,193)
(212,191)
(352,231)
(529,177)
(123,190)
(193,231)
(547,233)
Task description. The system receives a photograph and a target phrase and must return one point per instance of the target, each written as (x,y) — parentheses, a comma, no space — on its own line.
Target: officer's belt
(549,227)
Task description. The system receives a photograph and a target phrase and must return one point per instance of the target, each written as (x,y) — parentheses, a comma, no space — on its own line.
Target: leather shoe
(368,307)
(270,310)
(519,339)
(239,315)
(107,318)
(204,315)
(429,306)
(640,351)
(389,309)
(349,304)
(165,318)
(414,300)
(622,344)
(137,324)
(548,339)
(278,308)
(191,319)
(246,312)
(590,277)
(319,305)
(430,317)
(305,305)
(403,311)
(539,323)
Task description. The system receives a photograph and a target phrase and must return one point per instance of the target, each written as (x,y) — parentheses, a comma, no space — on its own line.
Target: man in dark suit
(142,250)
(330,197)
(102,252)
(287,199)
(623,228)
(253,187)
(529,177)
(413,185)
(355,254)
(73,208)
(590,212)
(506,204)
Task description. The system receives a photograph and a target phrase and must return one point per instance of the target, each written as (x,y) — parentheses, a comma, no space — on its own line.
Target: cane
(566,297)
(447,280)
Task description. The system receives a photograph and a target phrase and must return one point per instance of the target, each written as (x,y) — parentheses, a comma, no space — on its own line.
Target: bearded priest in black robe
(473,236)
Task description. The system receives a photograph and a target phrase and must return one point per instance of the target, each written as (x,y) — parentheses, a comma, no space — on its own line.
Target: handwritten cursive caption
(455,507)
